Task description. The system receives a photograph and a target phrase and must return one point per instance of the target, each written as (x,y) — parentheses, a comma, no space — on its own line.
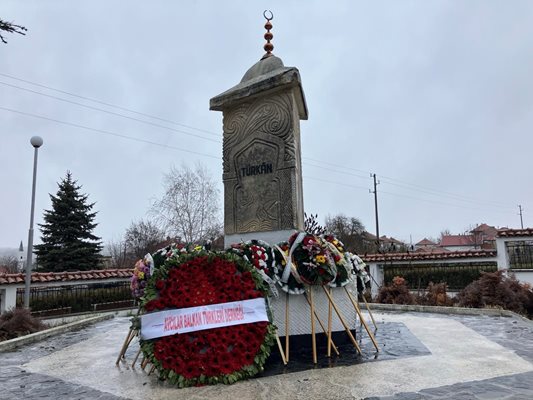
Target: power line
(334,170)
(338,166)
(451,196)
(416,187)
(441,192)
(335,183)
(105,132)
(109,104)
(425,191)
(443,203)
(410,186)
(111,112)
(343,184)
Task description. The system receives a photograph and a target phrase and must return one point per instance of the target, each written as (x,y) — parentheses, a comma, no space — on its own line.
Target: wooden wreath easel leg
(313,338)
(369,311)
(131,334)
(287,327)
(324,329)
(136,357)
(329,328)
(280,348)
(346,328)
(144,363)
(358,310)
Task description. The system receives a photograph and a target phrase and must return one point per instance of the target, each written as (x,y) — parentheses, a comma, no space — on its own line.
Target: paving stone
(516,335)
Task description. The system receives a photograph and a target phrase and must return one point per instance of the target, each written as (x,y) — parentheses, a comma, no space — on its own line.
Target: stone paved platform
(453,357)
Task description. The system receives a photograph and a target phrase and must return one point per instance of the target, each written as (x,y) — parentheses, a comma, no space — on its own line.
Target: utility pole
(376,183)
(520,213)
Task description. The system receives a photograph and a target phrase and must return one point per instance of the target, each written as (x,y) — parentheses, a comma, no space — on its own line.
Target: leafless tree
(189,207)
(143,237)
(9,263)
(119,256)
(10,27)
(312,226)
(351,232)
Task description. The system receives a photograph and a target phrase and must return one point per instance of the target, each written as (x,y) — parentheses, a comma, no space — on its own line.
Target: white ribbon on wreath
(291,267)
(288,265)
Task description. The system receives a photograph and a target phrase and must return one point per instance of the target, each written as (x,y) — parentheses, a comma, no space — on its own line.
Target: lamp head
(36,141)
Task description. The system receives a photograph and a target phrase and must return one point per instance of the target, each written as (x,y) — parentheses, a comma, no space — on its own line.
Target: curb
(491,312)
(11,344)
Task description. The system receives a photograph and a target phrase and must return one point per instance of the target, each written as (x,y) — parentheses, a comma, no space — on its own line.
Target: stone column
(262,171)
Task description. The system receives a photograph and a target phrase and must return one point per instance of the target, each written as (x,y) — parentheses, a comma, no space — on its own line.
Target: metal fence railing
(456,275)
(520,254)
(47,300)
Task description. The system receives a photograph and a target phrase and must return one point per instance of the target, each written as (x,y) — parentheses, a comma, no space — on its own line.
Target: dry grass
(18,322)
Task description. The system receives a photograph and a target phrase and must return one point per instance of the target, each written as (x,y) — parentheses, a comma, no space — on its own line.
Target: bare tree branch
(10,27)
(189,208)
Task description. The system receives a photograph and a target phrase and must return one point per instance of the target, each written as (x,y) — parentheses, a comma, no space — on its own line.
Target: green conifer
(68,243)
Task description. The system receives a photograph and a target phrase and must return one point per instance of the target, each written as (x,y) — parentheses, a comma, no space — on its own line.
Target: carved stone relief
(259,164)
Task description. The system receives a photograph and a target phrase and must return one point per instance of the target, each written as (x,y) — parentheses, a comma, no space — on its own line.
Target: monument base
(300,312)
(271,237)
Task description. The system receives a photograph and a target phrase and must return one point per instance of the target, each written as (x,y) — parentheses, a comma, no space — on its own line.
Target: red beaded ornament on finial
(268,35)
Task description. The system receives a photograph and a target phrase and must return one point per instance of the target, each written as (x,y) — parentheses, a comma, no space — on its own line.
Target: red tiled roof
(385,239)
(515,232)
(442,255)
(457,240)
(425,242)
(67,276)
(428,249)
(487,232)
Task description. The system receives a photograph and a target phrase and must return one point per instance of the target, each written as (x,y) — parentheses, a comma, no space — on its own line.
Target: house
(481,237)
(485,236)
(390,244)
(458,242)
(425,244)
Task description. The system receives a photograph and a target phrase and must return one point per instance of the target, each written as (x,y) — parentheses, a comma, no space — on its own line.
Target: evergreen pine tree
(68,241)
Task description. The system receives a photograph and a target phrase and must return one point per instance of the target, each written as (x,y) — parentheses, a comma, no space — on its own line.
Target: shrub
(435,295)
(396,293)
(18,322)
(496,289)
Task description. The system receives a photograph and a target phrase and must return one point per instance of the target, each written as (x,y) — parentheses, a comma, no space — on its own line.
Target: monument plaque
(262,175)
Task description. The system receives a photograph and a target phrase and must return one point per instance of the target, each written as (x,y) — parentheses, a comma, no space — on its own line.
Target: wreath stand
(332,306)
(363,322)
(132,333)
(368,307)
(314,315)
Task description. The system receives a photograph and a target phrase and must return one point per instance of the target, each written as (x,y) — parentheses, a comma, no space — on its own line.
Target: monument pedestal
(300,315)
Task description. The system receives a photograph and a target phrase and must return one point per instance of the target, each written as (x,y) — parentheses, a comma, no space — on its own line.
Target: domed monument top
(266,74)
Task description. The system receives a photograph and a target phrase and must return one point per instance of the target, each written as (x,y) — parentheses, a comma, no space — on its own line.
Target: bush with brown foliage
(18,322)
(435,295)
(396,293)
(497,289)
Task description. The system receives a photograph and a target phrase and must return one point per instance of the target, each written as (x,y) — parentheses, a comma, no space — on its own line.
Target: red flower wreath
(215,355)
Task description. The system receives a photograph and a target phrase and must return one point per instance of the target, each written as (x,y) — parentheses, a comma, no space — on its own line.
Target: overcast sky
(435,97)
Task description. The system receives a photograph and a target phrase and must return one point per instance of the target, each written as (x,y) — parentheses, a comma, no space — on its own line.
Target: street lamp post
(36,142)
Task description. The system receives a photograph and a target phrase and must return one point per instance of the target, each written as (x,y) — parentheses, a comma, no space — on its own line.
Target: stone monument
(262,171)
